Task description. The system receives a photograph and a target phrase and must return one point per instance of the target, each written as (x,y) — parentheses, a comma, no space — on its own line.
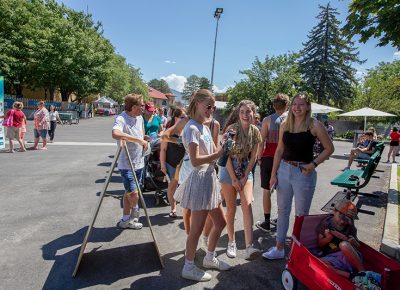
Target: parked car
(105,111)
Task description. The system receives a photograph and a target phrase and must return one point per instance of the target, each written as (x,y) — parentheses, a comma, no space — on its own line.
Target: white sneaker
(252,253)
(135,215)
(215,264)
(204,243)
(196,274)
(274,254)
(129,224)
(231,249)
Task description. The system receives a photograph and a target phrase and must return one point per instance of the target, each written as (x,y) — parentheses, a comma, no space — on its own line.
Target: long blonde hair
(307,122)
(199,96)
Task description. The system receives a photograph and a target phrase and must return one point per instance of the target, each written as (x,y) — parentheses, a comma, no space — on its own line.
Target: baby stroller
(153,176)
(305,266)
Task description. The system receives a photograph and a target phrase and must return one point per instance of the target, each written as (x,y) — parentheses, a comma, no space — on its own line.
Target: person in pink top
(14,131)
(394,144)
(41,120)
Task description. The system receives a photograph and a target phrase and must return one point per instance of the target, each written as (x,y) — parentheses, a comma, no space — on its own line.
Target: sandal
(173,215)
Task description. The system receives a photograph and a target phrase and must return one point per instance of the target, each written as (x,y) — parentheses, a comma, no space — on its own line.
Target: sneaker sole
(273,258)
(206,279)
(261,228)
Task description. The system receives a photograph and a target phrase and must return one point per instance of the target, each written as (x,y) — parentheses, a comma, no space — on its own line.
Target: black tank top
(174,153)
(298,146)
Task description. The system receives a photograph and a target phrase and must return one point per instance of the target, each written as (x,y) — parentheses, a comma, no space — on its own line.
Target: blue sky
(173,39)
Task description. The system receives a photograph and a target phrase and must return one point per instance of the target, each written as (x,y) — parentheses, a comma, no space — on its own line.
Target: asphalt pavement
(48,198)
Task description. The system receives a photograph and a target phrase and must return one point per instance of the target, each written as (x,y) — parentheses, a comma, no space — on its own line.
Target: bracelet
(315,163)
(179,140)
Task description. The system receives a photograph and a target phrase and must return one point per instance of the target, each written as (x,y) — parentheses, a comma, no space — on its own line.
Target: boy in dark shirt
(337,237)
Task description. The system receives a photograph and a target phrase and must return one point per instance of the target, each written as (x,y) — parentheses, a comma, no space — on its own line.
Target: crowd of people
(45,122)
(282,144)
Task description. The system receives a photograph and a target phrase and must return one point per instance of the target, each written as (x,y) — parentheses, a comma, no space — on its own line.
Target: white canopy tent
(322,109)
(366,112)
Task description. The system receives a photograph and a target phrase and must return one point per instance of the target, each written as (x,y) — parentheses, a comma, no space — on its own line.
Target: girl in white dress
(200,190)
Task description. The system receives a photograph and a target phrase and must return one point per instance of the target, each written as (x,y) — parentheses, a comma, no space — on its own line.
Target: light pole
(217,15)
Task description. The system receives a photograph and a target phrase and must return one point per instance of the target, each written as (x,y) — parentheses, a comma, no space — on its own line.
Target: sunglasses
(210,107)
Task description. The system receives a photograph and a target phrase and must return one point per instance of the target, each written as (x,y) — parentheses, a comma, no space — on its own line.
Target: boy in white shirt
(129,127)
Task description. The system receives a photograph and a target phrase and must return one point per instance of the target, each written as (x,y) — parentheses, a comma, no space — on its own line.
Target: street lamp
(217,15)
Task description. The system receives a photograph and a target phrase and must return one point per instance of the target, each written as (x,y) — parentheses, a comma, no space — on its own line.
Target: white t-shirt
(53,116)
(133,126)
(199,134)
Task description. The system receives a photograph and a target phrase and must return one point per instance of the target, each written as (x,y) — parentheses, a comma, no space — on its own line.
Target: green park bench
(378,148)
(352,181)
(69,117)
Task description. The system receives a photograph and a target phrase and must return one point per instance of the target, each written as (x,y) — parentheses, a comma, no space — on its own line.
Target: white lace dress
(200,189)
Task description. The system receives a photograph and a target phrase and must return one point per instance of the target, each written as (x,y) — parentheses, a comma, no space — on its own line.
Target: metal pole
(215,46)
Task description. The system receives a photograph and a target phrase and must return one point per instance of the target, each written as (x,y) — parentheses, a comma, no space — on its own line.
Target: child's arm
(324,239)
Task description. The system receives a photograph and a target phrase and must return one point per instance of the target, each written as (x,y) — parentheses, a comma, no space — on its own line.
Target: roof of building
(154,94)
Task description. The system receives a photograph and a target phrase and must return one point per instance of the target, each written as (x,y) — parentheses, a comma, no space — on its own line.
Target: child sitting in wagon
(337,237)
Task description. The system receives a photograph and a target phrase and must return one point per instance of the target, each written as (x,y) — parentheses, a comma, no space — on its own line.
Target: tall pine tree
(326,61)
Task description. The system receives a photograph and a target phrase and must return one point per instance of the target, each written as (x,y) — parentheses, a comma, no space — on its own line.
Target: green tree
(378,19)
(192,84)
(326,61)
(204,83)
(160,85)
(381,89)
(266,78)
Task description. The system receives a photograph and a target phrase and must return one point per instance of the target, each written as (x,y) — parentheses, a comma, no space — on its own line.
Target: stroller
(305,266)
(153,176)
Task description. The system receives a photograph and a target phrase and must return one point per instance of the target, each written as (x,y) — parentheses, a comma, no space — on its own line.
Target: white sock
(188,265)
(125,217)
(209,255)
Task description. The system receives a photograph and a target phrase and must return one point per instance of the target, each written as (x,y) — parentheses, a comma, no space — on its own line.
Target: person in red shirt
(15,131)
(394,144)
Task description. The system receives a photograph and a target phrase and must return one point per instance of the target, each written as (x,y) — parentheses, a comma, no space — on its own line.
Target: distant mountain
(178,96)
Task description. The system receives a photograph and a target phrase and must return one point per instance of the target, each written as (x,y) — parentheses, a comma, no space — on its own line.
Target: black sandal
(173,215)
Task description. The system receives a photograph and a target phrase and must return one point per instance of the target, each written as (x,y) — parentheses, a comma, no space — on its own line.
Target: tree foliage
(378,19)
(266,78)
(193,83)
(381,89)
(47,45)
(326,61)
(160,85)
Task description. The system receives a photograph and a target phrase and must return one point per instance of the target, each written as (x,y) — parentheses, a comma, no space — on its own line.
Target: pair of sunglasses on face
(210,107)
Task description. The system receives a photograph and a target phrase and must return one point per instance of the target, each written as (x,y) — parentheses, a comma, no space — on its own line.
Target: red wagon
(307,268)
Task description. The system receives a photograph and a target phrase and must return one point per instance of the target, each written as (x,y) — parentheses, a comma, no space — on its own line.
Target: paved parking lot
(48,199)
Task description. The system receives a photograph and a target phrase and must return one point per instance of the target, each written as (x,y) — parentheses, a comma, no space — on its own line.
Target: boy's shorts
(265,171)
(339,261)
(129,181)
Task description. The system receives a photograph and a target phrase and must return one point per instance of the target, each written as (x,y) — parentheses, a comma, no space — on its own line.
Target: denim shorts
(170,170)
(363,155)
(40,133)
(129,181)
(224,176)
(339,261)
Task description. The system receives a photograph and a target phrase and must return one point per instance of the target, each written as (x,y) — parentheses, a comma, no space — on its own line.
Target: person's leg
(217,218)
(18,138)
(196,226)
(245,200)
(11,144)
(349,252)
(207,228)
(36,139)
(130,200)
(170,193)
(303,190)
(395,148)
(230,195)
(187,213)
(390,153)
(43,134)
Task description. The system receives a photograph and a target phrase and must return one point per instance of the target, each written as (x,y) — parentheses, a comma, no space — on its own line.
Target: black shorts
(394,143)
(265,170)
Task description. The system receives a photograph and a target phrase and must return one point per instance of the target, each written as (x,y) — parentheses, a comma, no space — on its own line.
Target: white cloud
(396,55)
(218,90)
(175,82)
(170,61)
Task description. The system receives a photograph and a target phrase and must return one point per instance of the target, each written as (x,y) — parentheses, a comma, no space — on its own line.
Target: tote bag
(8,121)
